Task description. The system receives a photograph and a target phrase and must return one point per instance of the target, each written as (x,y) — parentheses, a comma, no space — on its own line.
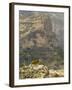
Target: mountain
(41,37)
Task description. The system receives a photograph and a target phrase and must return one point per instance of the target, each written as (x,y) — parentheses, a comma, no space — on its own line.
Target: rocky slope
(41,37)
(38,71)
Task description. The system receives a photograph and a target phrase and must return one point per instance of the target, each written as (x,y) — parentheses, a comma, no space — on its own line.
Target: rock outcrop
(38,71)
(34,71)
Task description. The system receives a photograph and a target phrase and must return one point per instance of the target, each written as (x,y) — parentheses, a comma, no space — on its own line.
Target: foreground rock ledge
(38,71)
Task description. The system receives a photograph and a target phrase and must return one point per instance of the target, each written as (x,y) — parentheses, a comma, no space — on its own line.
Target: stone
(34,71)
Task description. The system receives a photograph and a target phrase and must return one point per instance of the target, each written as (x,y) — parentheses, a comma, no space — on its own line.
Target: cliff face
(35,30)
(41,37)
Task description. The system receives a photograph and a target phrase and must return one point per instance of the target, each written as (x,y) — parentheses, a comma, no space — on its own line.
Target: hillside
(41,37)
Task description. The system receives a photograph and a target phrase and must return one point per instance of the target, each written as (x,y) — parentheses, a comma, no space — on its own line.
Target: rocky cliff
(41,37)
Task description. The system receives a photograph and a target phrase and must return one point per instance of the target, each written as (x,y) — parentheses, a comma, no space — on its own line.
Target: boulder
(34,71)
